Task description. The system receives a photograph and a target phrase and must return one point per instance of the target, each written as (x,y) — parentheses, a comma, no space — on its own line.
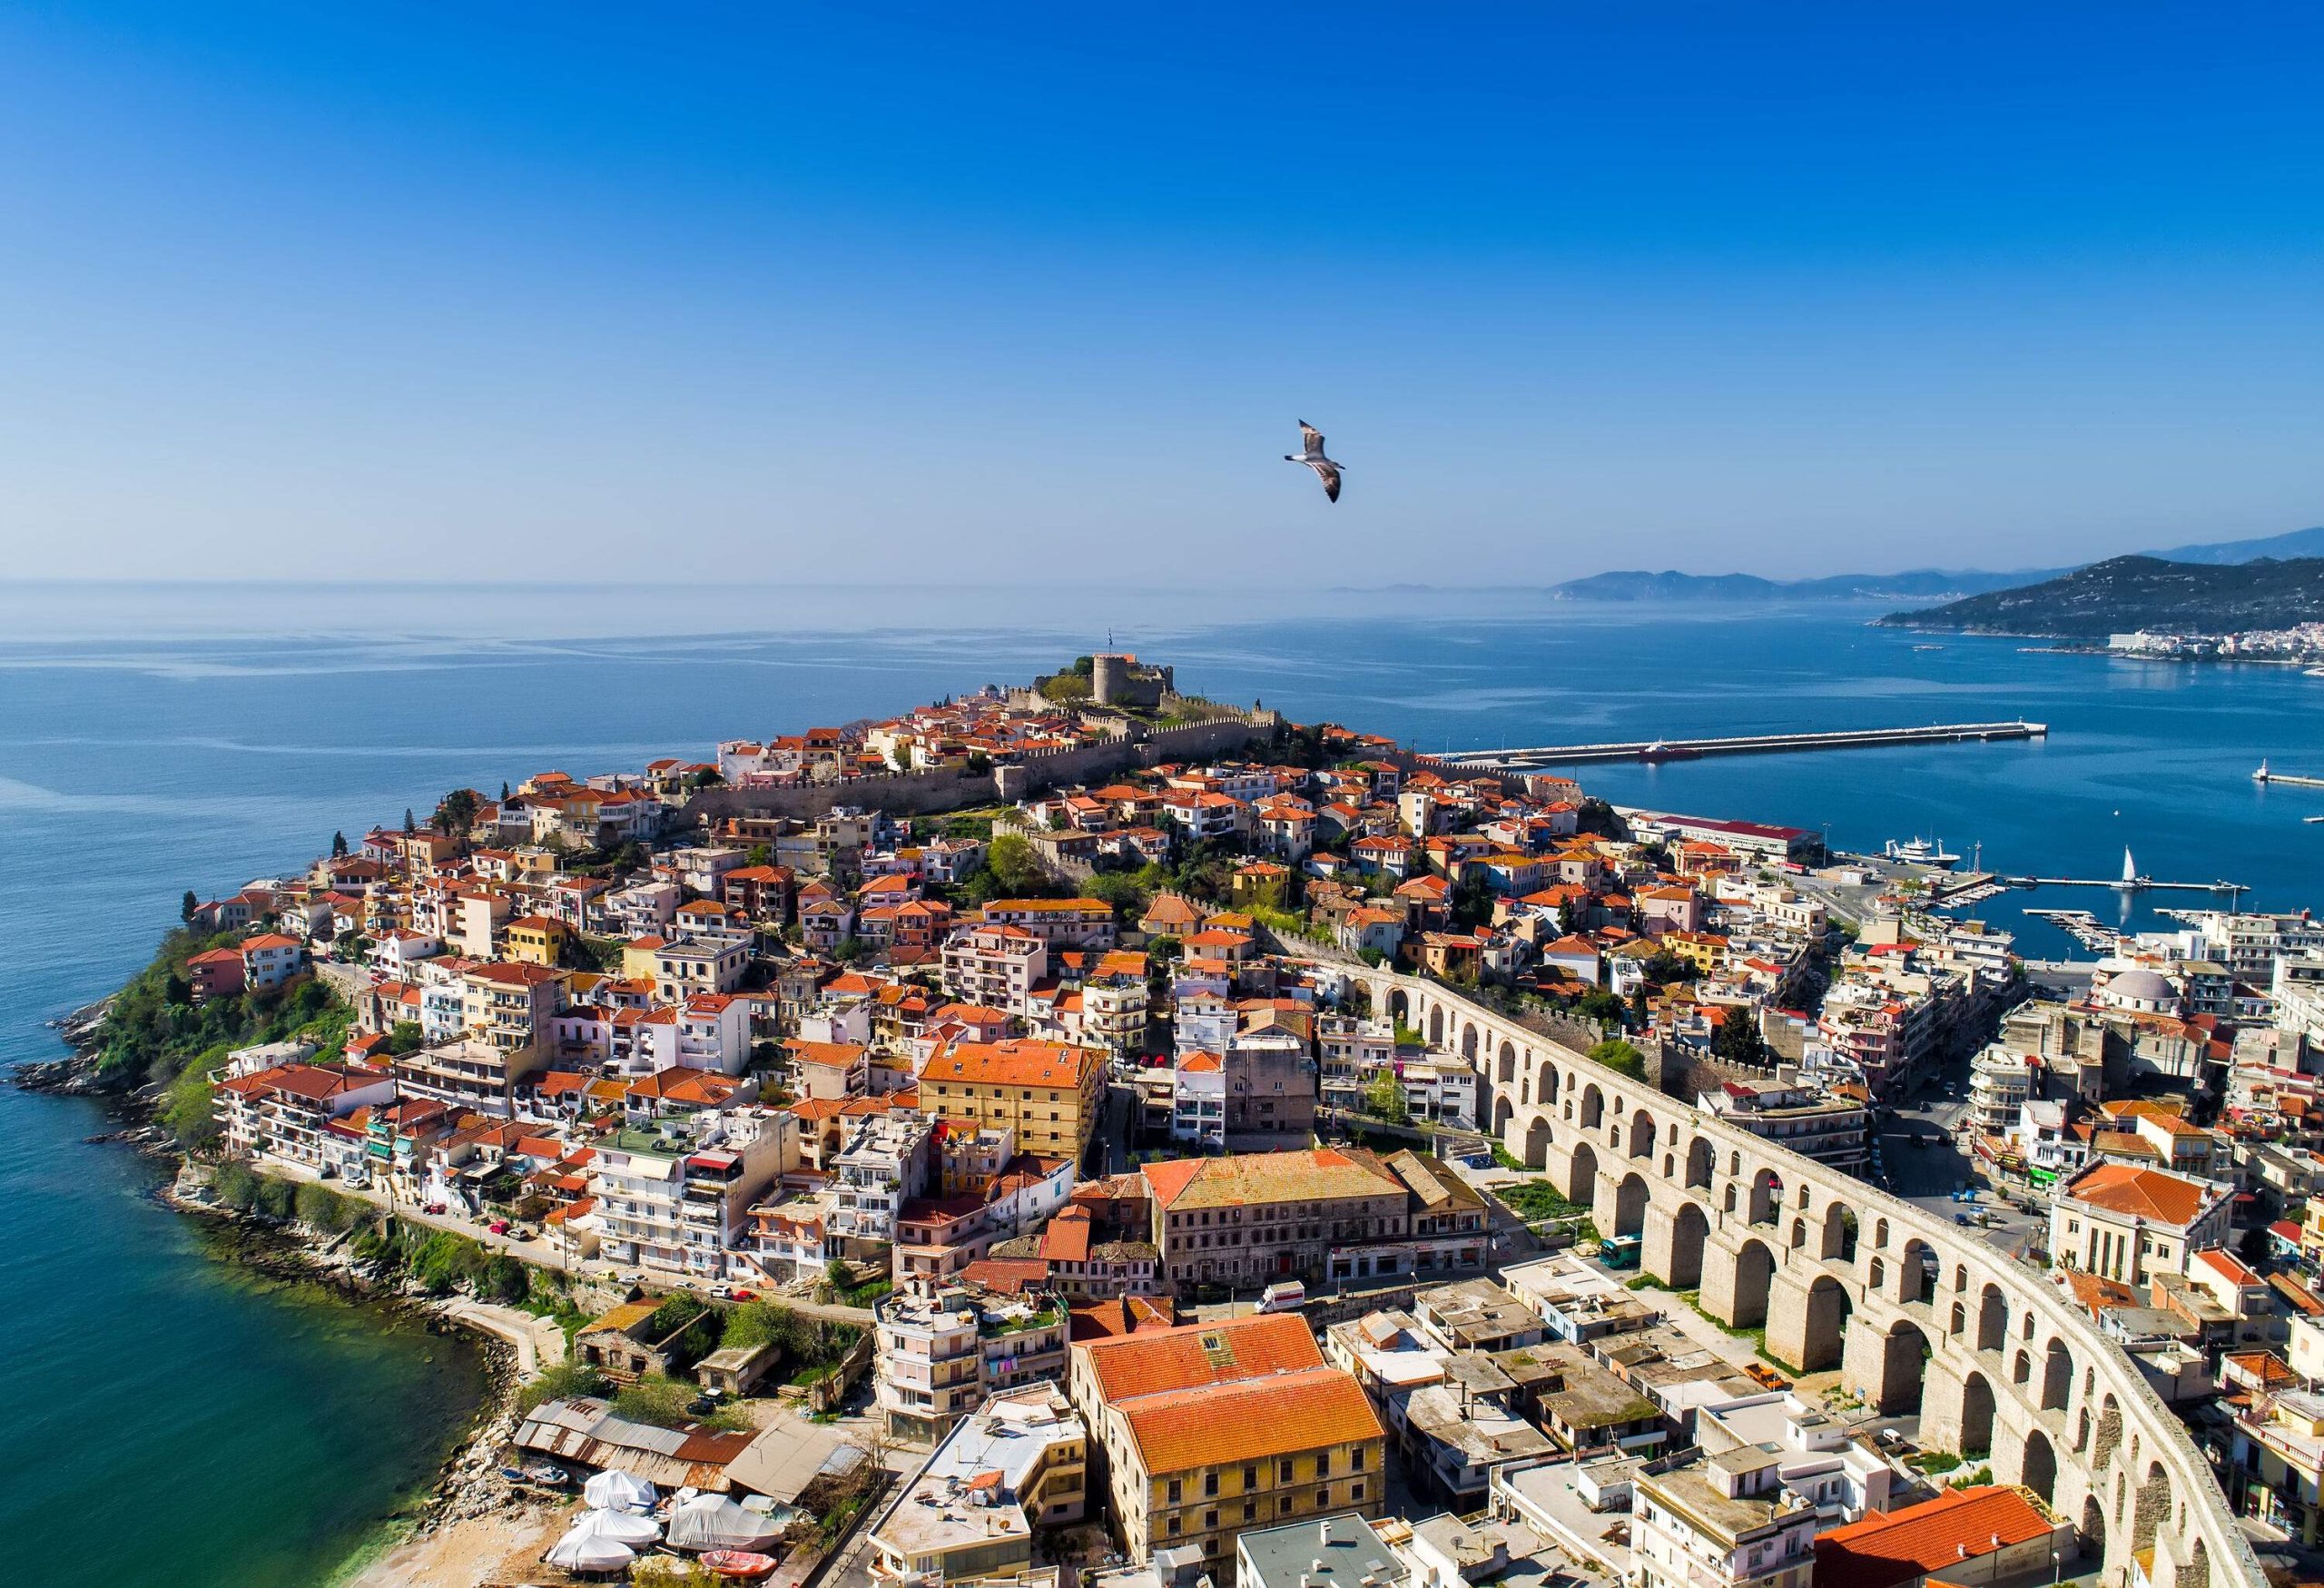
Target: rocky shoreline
(469,1486)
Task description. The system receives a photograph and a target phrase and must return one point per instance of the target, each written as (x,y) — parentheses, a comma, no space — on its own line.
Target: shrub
(320,1207)
(504,1279)
(663,1402)
(565,1381)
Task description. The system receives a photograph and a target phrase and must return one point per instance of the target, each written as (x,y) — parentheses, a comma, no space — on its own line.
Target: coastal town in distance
(1082,1135)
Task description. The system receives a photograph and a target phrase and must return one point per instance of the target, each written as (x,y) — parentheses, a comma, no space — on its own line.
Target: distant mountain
(2126,593)
(1918,584)
(2296,543)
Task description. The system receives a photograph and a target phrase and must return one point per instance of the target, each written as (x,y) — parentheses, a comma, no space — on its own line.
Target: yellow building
(534,940)
(1211,1428)
(1050,1093)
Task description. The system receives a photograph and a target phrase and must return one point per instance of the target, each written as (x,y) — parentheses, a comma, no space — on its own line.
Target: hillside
(2127,593)
(2293,543)
(1915,584)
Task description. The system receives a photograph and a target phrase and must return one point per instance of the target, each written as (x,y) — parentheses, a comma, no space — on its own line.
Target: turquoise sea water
(240,1432)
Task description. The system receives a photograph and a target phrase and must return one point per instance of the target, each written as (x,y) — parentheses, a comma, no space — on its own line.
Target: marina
(1538,755)
(2083,927)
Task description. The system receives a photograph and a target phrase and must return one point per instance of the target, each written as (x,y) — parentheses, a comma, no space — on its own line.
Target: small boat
(547,1474)
(744,1565)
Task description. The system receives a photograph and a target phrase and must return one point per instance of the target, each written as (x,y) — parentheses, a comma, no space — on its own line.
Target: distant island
(1923,584)
(2128,594)
(1915,584)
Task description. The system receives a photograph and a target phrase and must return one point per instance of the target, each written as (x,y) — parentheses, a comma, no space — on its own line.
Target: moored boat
(745,1565)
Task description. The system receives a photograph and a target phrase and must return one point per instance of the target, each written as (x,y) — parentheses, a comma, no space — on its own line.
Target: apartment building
(1061,923)
(1020,1461)
(886,1163)
(1724,1521)
(468,1072)
(941,1351)
(1207,1429)
(1831,1125)
(997,966)
(1051,1094)
(285,1110)
(509,1006)
(1254,1217)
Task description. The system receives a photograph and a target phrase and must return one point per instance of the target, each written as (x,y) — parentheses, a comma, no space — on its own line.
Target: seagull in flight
(1312,454)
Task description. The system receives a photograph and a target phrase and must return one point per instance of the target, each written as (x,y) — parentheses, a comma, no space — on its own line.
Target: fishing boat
(1921,852)
(743,1565)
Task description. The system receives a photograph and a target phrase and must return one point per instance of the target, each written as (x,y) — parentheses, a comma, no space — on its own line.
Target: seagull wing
(1330,475)
(1310,439)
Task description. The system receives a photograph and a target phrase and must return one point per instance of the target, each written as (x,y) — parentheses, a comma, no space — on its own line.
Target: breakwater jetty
(1537,756)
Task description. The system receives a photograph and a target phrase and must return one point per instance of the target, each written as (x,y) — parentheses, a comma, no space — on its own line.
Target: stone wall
(919,794)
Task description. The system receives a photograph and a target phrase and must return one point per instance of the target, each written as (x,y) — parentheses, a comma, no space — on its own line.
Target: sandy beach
(503,1546)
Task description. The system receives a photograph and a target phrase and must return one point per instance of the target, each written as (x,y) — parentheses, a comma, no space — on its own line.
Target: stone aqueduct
(1913,1312)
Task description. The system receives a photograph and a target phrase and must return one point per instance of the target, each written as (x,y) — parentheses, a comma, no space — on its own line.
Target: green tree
(1013,864)
(409,825)
(338,846)
(1615,1053)
(188,905)
(1384,1098)
(1738,1040)
(456,812)
(403,1037)
(1600,1004)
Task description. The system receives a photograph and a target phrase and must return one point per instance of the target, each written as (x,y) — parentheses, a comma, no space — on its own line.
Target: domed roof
(2140,987)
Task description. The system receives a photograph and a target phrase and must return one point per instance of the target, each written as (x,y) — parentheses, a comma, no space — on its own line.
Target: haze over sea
(156,738)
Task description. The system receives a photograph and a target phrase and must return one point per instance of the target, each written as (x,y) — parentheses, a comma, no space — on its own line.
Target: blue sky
(1017,295)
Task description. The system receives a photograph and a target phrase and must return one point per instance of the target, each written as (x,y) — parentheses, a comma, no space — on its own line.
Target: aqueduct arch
(1924,1316)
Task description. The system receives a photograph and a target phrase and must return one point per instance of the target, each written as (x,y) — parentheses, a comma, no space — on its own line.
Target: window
(1210,1484)
(1324,1497)
(1282,1472)
(1355,1494)
(1174,1491)
(1282,1506)
(1250,1479)
(1324,1464)
(1251,1510)
(1355,1459)
(1171,1527)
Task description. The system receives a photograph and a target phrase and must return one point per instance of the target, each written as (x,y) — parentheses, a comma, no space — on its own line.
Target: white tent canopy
(710,1522)
(583,1550)
(615,1490)
(620,1526)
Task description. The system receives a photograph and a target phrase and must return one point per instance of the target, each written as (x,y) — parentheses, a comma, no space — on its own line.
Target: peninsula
(2127,594)
(1082,1128)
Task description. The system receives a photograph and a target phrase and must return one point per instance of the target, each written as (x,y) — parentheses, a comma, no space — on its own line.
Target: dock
(2128,886)
(2290,780)
(1527,757)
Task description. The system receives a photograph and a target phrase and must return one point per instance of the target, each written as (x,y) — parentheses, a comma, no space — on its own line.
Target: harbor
(1538,755)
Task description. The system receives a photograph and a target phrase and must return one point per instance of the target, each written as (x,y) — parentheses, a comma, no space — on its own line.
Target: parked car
(498,1227)
(435,1207)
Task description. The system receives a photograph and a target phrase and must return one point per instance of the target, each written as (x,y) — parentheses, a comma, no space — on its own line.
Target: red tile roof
(1198,1355)
(1898,1546)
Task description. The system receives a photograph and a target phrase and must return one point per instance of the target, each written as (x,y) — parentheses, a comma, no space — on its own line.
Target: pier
(2291,780)
(1538,755)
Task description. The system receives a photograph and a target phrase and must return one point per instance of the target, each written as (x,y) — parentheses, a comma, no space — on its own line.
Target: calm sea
(207,1429)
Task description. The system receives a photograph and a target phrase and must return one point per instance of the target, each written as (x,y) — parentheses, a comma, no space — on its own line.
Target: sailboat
(2129,870)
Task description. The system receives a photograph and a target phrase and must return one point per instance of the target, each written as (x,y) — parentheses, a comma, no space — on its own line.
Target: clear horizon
(778,294)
